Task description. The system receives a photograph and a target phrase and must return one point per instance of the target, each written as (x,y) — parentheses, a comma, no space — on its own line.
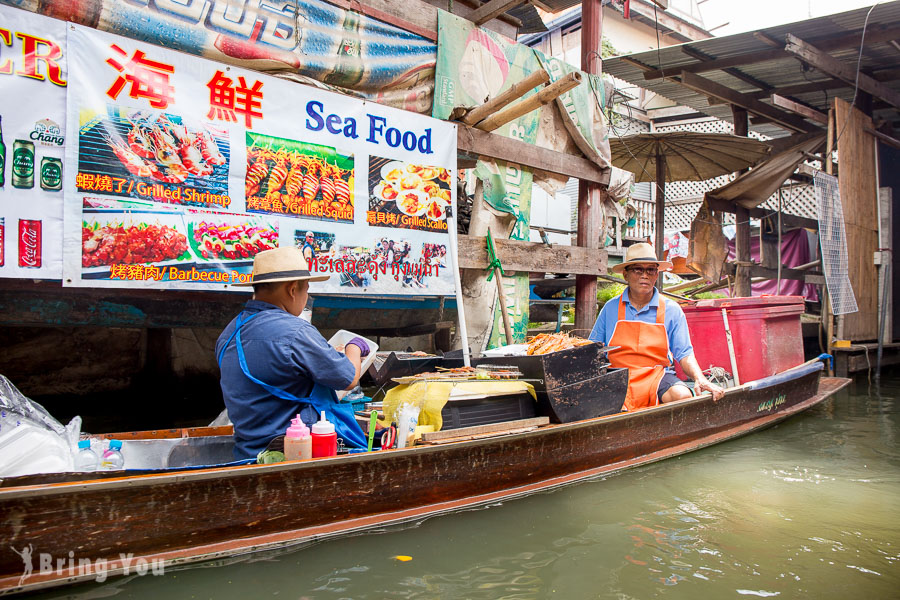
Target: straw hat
(639,254)
(281,264)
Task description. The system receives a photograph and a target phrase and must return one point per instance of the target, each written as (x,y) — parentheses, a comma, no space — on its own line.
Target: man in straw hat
(650,332)
(275,365)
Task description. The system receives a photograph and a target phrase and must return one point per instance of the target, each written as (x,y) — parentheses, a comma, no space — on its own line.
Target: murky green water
(808,509)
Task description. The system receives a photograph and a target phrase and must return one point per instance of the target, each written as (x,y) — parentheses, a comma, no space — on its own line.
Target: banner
(310,38)
(32,142)
(183,169)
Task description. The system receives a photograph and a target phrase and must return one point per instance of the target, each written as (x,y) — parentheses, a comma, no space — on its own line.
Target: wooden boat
(213,513)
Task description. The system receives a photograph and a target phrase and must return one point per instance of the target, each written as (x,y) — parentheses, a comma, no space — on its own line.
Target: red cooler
(765,331)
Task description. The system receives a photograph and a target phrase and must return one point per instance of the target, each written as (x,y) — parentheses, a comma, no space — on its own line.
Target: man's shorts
(668,380)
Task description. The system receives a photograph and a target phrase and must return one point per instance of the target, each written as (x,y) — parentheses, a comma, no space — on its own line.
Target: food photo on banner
(32,145)
(186,169)
(408,195)
(288,177)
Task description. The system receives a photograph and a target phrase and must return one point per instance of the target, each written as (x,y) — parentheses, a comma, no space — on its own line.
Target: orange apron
(644,351)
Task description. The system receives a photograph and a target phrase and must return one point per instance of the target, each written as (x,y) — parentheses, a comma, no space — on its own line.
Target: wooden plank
(420,17)
(859,197)
(532,256)
(800,109)
(491,145)
(491,9)
(759,271)
(682,28)
(733,71)
(757,107)
(874,34)
(843,71)
(488,428)
(26,303)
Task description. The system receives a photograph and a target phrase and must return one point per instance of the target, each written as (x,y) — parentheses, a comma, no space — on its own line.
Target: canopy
(755,187)
(689,156)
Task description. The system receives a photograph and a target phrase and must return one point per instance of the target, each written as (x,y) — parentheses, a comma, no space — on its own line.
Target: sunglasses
(640,271)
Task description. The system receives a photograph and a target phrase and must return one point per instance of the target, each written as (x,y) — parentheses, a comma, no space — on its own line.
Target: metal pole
(460,309)
(589,195)
(660,208)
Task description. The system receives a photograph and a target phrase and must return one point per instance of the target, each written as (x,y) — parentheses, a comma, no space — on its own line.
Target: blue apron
(321,398)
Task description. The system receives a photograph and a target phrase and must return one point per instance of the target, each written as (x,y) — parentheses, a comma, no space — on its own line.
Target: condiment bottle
(324,439)
(297,441)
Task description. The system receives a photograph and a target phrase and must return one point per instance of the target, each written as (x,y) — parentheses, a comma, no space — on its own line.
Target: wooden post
(660,209)
(742,220)
(589,195)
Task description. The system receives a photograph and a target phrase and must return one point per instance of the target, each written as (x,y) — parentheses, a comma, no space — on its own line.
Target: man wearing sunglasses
(650,332)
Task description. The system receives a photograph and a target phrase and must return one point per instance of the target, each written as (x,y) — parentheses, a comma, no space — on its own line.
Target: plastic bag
(32,441)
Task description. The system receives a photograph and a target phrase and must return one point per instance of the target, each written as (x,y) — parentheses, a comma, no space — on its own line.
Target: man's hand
(705,385)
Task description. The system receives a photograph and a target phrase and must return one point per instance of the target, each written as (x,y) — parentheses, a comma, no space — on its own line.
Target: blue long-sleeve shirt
(283,351)
(675,323)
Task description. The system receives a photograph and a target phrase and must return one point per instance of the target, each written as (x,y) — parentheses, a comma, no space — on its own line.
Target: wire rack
(834,244)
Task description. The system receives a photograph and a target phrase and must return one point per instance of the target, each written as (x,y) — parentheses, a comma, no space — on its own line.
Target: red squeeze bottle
(324,439)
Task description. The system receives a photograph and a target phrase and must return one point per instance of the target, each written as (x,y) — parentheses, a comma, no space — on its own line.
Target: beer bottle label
(23,163)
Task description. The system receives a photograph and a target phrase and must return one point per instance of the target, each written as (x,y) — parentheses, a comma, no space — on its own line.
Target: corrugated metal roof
(777,73)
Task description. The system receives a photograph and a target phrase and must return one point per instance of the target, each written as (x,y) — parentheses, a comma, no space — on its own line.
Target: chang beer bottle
(349,68)
(23,164)
(2,156)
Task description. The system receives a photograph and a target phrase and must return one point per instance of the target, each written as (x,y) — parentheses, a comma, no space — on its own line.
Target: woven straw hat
(639,254)
(281,264)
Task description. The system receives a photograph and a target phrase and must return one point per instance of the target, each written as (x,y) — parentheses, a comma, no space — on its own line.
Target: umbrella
(683,156)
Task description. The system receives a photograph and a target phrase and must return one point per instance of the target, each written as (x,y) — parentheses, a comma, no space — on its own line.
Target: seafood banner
(182,170)
(33,81)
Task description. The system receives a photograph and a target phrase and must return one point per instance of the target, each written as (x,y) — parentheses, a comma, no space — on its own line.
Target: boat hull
(213,513)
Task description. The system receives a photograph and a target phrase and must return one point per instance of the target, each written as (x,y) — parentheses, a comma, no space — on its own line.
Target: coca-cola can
(29,244)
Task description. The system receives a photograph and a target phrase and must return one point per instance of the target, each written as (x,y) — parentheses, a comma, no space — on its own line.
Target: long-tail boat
(103,525)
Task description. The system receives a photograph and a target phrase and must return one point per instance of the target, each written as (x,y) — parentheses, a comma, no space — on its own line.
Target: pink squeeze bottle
(297,441)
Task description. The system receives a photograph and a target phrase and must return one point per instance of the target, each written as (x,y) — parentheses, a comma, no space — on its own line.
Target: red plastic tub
(765,331)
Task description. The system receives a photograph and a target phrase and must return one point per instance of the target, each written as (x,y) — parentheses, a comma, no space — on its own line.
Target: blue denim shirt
(283,351)
(675,322)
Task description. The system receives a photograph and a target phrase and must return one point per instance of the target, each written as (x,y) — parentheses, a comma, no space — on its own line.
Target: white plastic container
(27,448)
(341,338)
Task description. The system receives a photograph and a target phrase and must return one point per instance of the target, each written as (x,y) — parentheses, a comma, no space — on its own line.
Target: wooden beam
(824,85)
(474,142)
(780,117)
(420,17)
(787,221)
(817,58)
(800,109)
(797,274)
(890,141)
(682,28)
(491,9)
(783,143)
(532,256)
(734,72)
(874,34)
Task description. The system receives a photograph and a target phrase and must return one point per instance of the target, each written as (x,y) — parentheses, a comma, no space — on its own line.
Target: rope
(493,260)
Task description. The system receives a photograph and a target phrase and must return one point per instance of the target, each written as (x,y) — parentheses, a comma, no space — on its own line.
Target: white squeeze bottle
(112,459)
(297,441)
(86,459)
